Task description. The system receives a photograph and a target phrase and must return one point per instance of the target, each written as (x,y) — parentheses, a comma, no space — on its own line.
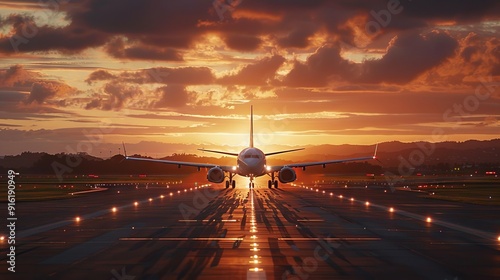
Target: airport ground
(326,229)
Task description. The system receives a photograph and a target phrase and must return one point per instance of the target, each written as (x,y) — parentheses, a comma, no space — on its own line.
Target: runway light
(136,203)
(162,196)
(391,209)
(331,194)
(171,194)
(352,198)
(367,203)
(2,238)
(497,238)
(341,196)
(150,199)
(113,209)
(77,219)
(429,219)
(255,269)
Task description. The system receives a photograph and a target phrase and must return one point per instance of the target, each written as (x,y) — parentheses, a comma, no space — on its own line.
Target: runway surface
(185,231)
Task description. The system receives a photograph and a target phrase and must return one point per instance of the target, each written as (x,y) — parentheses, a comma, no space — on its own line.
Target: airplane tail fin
(251,126)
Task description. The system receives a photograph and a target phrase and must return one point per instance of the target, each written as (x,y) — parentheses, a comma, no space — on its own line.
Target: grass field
(483,190)
(38,188)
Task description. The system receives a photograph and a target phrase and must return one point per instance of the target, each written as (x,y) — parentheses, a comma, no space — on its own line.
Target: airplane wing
(219,152)
(183,163)
(282,152)
(306,164)
(324,163)
(179,163)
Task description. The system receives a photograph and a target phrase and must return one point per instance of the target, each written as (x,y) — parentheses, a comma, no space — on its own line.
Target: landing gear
(272,183)
(231,184)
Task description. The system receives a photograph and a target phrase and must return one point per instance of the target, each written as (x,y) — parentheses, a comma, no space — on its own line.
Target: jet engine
(287,175)
(215,175)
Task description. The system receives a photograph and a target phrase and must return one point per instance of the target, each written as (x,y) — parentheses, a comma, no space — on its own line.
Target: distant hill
(469,156)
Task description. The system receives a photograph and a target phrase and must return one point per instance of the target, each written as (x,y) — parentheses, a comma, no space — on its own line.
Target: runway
(185,231)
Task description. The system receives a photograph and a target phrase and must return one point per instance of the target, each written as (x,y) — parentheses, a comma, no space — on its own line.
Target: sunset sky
(175,75)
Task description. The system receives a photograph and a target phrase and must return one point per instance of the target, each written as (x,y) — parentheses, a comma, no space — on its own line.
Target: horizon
(193,149)
(316,73)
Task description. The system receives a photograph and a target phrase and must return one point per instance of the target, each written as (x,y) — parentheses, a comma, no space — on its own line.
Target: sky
(172,76)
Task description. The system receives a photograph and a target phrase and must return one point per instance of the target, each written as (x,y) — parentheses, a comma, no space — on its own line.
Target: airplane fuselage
(251,163)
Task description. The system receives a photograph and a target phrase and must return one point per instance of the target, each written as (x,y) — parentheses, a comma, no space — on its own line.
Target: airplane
(251,163)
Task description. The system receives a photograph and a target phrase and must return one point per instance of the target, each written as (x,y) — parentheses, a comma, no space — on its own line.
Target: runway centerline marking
(254,272)
(210,220)
(181,239)
(329,238)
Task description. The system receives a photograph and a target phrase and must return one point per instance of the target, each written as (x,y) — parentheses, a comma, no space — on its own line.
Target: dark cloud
(18,80)
(242,42)
(159,75)
(162,30)
(298,37)
(323,66)
(44,90)
(99,75)
(28,37)
(260,73)
(139,51)
(115,97)
(172,96)
(17,76)
(408,56)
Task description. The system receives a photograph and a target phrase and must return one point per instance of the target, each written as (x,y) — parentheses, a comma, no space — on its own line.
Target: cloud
(164,30)
(260,73)
(99,75)
(115,97)
(172,96)
(408,56)
(140,51)
(17,76)
(157,75)
(319,69)
(243,43)
(41,91)
(298,37)
(27,36)
(44,90)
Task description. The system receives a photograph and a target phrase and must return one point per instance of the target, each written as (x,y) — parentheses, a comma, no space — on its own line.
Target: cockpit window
(251,156)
